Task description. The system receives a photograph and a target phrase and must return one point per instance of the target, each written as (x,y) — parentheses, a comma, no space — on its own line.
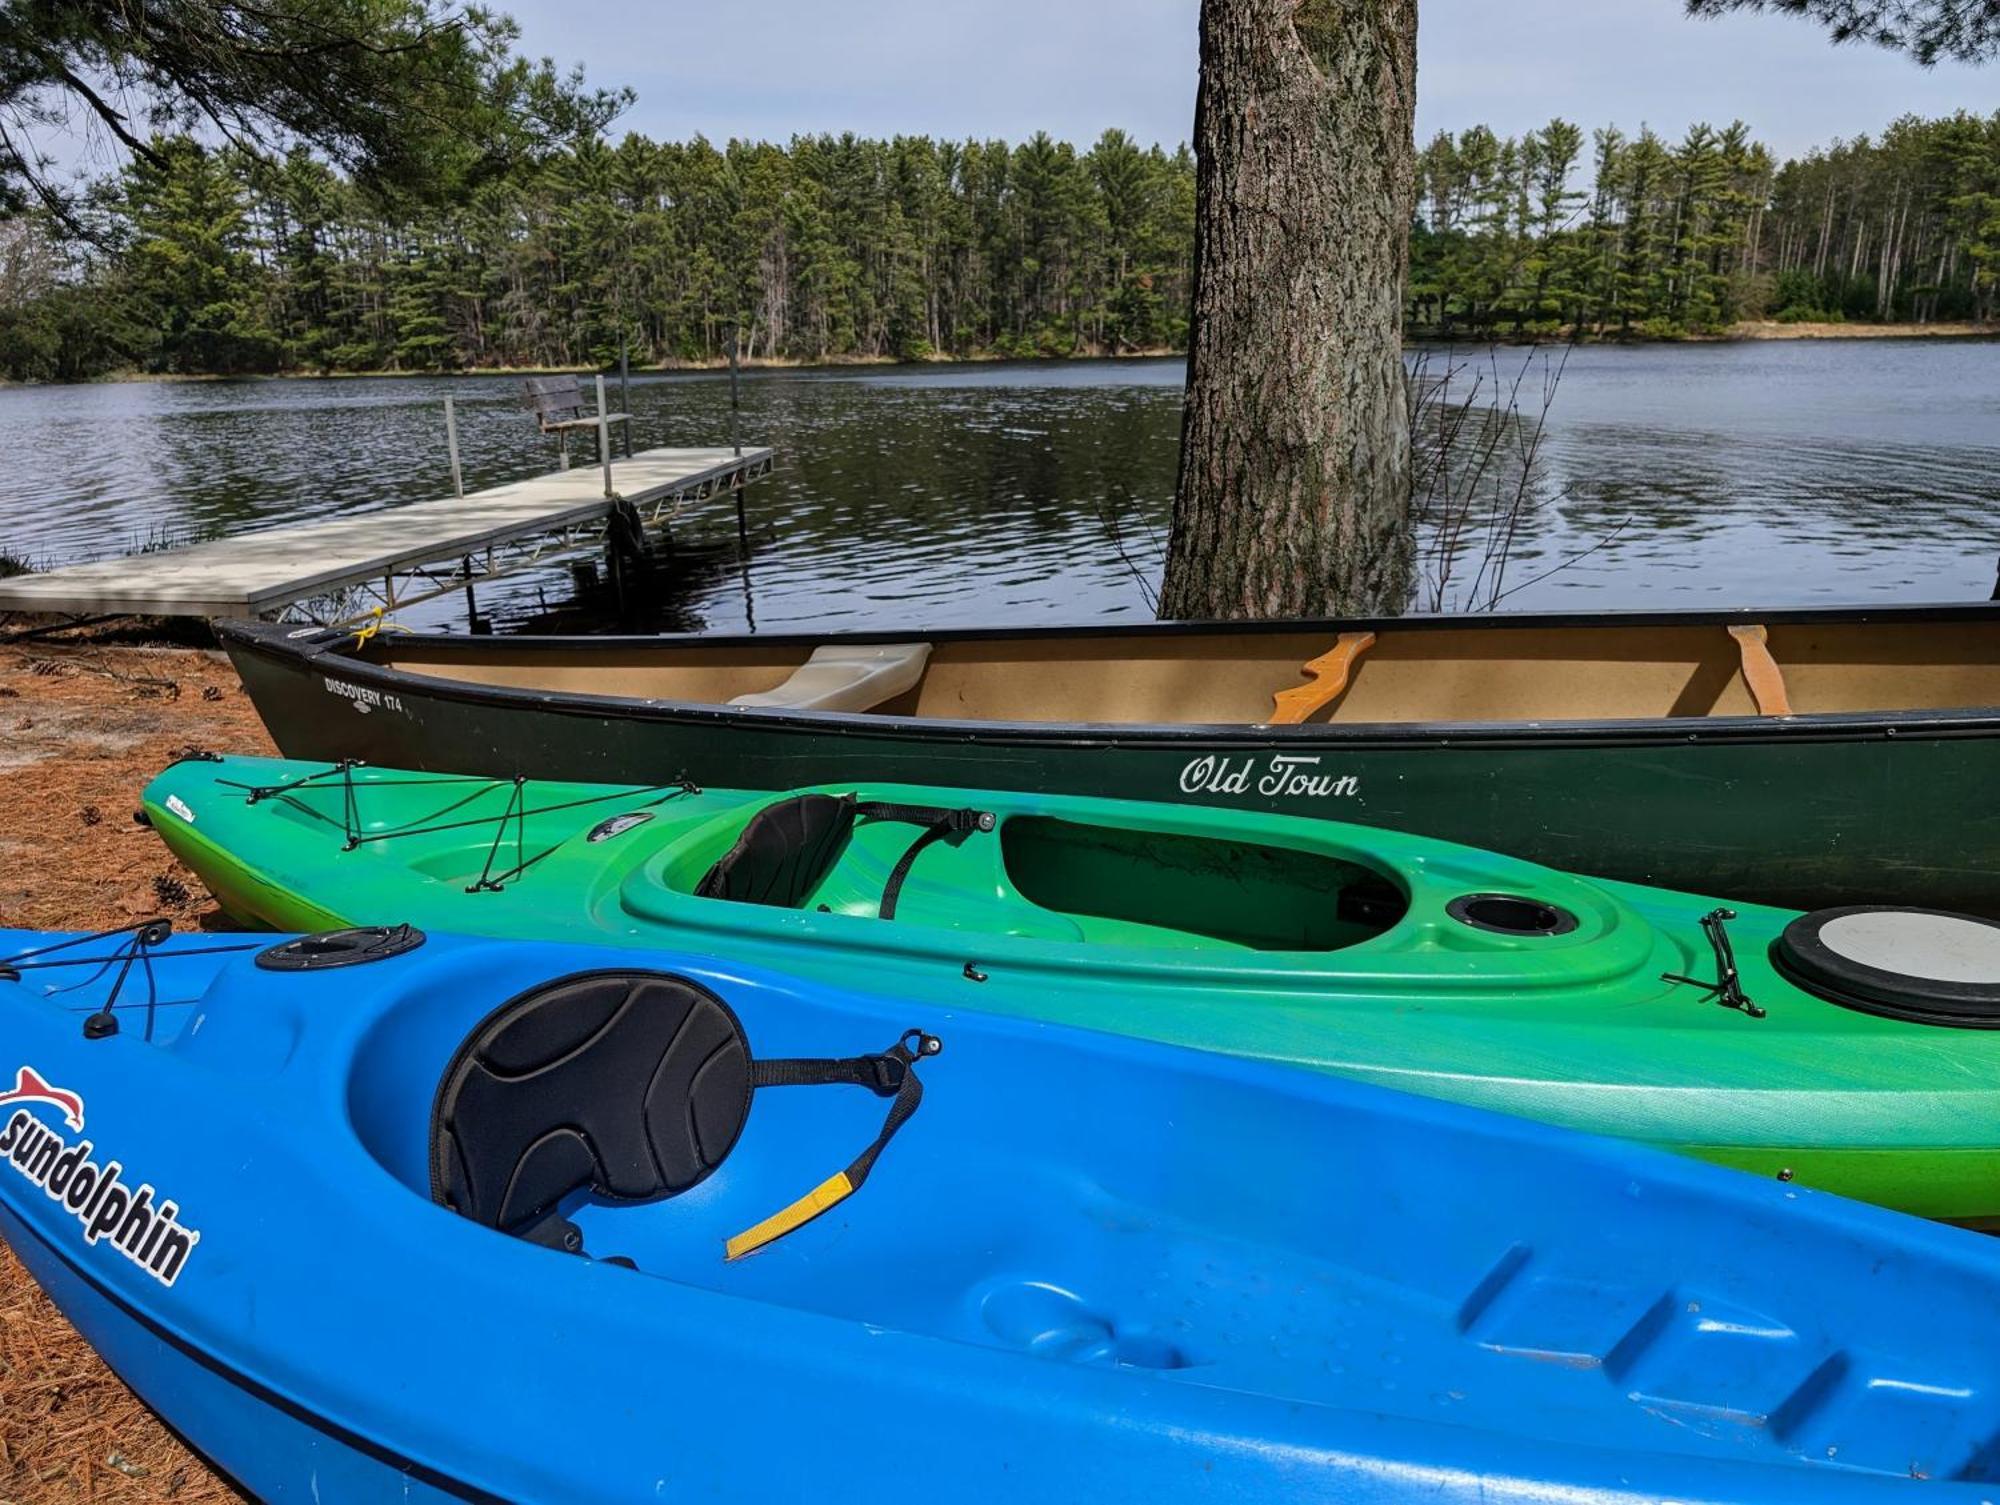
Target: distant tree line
(221,260)
(217,261)
(1639,235)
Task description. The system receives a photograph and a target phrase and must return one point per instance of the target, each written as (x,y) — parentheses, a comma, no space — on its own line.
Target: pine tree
(189,264)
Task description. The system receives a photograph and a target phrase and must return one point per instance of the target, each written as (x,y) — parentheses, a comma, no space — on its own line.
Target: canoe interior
(1459,673)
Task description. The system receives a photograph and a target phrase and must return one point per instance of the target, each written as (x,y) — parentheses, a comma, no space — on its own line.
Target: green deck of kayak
(1306,941)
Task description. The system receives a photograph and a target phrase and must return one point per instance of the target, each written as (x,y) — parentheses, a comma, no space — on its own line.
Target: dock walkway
(389,558)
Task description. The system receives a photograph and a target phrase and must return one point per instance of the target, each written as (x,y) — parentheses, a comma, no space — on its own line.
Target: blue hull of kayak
(1088,1268)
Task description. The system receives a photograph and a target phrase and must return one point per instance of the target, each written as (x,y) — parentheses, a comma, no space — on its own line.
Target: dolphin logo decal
(29,1087)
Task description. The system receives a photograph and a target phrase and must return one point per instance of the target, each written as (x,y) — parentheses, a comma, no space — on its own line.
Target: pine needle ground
(81,731)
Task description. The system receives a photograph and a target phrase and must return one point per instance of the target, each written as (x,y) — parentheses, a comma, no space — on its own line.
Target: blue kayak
(381,1216)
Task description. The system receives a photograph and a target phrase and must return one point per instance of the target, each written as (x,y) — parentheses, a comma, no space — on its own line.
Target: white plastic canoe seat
(857,677)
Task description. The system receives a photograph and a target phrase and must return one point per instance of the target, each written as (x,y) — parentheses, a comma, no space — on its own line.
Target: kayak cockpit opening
(787,850)
(626,1087)
(1240,893)
(1043,877)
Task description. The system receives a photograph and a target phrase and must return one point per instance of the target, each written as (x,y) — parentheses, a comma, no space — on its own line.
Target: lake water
(1706,475)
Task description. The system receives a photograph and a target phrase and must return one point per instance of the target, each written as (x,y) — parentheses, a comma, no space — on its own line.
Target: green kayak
(1853,1049)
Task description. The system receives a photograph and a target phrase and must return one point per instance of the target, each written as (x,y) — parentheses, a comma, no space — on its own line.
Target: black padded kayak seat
(1924,966)
(785,850)
(630,1085)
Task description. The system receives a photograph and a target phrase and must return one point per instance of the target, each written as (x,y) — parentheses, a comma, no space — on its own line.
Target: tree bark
(1294,492)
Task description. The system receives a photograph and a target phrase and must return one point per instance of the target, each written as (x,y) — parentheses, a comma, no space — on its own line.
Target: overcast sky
(772,68)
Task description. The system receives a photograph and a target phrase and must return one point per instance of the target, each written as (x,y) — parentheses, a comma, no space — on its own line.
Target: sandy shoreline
(85,727)
(1771,329)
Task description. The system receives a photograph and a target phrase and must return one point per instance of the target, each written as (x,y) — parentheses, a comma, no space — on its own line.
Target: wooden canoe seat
(1330,673)
(853,677)
(1766,681)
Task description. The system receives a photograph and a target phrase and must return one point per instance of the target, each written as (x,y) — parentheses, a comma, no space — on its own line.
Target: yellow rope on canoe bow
(377,623)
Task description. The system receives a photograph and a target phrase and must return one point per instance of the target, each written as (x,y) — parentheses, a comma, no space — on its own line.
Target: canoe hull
(1806,813)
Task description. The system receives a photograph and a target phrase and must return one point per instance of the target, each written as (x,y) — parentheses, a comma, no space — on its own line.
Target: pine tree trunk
(1294,494)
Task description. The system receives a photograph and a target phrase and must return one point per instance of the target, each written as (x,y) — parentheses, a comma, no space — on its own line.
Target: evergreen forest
(197,259)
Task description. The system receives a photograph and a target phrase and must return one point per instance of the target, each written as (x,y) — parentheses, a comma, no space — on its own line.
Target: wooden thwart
(1331,673)
(1761,673)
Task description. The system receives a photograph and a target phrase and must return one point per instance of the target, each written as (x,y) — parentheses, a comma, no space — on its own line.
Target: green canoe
(1411,962)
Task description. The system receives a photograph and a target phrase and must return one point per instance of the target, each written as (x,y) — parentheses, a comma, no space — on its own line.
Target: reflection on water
(1762,473)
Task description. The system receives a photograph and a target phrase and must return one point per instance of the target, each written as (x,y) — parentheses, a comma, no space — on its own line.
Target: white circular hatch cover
(1940,947)
(1918,965)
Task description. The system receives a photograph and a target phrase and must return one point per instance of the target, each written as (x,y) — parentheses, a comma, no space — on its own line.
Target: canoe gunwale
(1900,612)
(322,652)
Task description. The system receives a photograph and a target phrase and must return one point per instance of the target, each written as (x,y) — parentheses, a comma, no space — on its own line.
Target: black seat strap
(939,823)
(891,1074)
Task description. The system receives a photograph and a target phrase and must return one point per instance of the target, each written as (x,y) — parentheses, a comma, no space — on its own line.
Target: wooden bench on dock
(558,406)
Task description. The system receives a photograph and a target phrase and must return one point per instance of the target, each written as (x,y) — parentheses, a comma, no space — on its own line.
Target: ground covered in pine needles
(82,728)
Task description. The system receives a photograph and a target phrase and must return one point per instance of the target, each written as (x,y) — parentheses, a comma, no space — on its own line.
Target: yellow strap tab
(1330,673)
(832,1190)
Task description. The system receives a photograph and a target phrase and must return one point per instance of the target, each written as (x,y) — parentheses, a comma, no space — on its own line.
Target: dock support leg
(743,557)
(451,444)
(473,624)
(603,437)
(735,395)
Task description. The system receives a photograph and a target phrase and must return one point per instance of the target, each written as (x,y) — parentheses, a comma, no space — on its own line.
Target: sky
(1006,68)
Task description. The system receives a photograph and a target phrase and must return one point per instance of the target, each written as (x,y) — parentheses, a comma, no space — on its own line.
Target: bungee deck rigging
(357,835)
(137,949)
(784,851)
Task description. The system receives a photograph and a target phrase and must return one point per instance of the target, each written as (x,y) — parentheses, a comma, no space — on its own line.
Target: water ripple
(1011,493)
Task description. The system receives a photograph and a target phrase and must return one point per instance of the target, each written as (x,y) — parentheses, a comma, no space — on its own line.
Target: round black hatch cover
(340,948)
(1923,965)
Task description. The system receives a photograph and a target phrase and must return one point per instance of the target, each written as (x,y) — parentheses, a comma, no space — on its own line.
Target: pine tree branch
(1966,31)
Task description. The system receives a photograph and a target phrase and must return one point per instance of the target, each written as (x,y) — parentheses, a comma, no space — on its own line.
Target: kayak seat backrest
(634,1085)
(784,852)
(630,1086)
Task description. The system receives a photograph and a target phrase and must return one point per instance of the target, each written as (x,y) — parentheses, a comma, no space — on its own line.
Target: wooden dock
(357,562)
